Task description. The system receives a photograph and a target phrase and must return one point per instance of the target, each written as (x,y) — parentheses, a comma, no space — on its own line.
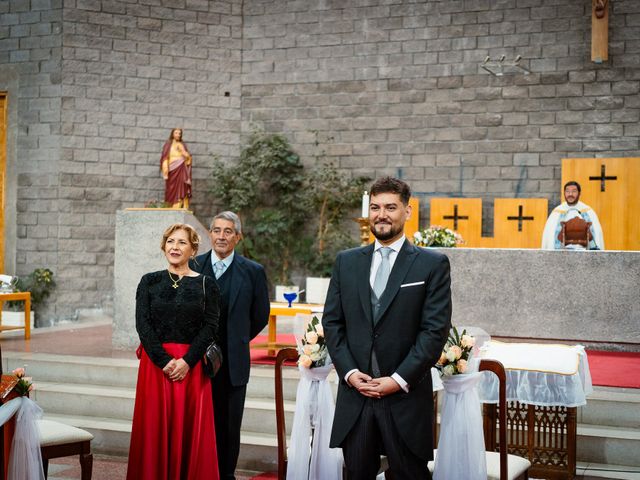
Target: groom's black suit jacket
(412,327)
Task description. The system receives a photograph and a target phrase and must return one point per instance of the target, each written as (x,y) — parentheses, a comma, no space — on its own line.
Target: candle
(365,204)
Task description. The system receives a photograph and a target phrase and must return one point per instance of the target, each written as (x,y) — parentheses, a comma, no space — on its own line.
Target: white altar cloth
(538,374)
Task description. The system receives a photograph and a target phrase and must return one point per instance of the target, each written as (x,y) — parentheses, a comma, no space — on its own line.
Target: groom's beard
(387,234)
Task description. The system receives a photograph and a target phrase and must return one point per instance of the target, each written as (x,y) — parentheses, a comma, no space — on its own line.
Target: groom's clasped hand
(373,387)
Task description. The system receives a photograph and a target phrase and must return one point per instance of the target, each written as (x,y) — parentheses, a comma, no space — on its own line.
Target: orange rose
(305,361)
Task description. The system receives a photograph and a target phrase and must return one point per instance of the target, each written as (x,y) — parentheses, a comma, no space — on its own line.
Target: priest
(572,207)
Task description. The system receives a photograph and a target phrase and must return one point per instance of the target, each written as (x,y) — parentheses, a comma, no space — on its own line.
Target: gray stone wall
(30,54)
(396,88)
(384,86)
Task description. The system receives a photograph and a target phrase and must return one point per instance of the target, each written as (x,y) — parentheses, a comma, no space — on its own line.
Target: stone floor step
(599,470)
(617,407)
(608,445)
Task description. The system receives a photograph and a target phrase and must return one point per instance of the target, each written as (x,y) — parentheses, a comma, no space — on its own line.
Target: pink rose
(320,330)
(19,372)
(443,359)
(312,337)
(307,349)
(462,365)
(305,361)
(457,351)
(467,341)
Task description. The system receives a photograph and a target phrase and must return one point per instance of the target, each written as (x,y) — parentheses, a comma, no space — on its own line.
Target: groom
(386,319)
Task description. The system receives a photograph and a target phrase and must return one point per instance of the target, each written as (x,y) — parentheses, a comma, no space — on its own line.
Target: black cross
(520,218)
(455,217)
(603,177)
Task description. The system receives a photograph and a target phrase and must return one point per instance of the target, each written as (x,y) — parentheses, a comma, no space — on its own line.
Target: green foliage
(40,283)
(331,197)
(266,188)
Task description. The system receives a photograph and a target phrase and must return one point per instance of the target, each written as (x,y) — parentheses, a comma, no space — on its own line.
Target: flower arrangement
(313,351)
(24,385)
(437,236)
(453,359)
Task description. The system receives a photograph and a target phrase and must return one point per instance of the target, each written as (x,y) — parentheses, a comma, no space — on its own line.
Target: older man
(244,312)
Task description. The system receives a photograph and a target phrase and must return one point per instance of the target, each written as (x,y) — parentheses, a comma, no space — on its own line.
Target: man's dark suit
(246,316)
(408,336)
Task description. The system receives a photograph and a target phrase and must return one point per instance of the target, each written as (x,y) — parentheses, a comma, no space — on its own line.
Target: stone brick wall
(30,60)
(397,88)
(385,86)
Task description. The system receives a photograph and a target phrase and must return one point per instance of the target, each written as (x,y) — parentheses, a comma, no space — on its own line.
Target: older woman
(175,164)
(173,436)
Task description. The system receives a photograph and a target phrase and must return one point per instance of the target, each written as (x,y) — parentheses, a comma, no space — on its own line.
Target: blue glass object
(290,297)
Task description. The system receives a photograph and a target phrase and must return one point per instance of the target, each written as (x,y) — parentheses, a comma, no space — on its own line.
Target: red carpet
(266,476)
(608,369)
(614,369)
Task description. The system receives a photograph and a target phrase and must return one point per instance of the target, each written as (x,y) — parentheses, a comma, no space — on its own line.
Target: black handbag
(212,360)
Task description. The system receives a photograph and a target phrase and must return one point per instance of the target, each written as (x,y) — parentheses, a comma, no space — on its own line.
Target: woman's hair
(194,238)
(173,130)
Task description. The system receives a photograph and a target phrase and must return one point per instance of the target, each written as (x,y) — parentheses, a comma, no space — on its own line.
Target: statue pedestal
(137,251)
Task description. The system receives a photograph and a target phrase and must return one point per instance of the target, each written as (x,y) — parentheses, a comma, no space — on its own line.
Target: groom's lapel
(406,256)
(363,268)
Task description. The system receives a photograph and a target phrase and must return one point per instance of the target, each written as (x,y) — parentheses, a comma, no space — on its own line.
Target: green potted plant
(332,196)
(41,284)
(266,188)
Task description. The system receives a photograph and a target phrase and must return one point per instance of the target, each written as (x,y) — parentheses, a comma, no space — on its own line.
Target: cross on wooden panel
(519,222)
(520,218)
(464,215)
(611,187)
(603,177)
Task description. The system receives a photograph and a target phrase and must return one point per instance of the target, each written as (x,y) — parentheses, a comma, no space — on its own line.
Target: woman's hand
(180,371)
(169,367)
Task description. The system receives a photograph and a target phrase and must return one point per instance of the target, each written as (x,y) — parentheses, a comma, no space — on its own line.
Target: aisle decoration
(25,458)
(309,454)
(461,451)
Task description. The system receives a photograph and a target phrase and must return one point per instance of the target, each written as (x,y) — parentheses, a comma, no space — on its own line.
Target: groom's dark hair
(392,185)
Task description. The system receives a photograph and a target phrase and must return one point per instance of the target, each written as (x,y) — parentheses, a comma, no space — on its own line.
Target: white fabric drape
(309,454)
(461,453)
(25,459)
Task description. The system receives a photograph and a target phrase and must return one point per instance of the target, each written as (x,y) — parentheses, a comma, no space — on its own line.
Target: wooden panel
(3,169)
(464,215)
(519,222)
(611,186)
(412,225)
(599,33)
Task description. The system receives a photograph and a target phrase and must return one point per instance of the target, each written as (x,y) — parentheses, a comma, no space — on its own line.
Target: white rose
(312,337)
(315,348)
(449,370)
(307,349)
(451,355)
(320,330)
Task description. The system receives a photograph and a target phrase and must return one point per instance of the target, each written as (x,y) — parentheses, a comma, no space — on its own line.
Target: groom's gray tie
(382,275)
(379,285)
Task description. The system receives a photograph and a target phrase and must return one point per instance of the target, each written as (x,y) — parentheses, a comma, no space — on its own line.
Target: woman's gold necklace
(175,282)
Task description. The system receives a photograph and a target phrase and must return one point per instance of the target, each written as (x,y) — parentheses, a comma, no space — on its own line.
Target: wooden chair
(283,355)
(501,465)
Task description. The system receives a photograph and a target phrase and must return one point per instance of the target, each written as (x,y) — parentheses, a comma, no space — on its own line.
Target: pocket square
(412,284)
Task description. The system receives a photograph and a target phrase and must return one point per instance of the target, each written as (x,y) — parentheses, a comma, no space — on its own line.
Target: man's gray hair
(231,217)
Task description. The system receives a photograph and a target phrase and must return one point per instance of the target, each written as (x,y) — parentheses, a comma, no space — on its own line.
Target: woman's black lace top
(187,314)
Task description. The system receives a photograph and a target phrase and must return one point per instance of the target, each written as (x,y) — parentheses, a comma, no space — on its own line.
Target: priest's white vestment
(565,212)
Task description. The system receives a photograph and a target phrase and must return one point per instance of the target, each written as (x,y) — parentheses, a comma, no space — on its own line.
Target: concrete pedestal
(138,236)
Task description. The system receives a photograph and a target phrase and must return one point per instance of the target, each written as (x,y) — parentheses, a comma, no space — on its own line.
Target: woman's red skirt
(173,434)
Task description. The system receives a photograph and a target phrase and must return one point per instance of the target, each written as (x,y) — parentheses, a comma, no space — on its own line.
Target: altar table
(279,308)
(26,297)
(545,385)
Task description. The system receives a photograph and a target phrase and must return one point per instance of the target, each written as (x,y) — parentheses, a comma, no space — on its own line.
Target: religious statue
(175,164)
(559,230)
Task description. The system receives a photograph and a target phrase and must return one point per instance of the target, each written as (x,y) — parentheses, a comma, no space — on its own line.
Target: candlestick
(365,204)
(364,230)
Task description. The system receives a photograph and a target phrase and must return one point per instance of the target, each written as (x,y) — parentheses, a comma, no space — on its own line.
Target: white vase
(281,289)
(16,319)
(317,288)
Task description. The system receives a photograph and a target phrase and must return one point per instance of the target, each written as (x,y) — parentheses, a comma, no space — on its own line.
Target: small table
(545,385)
(26,298)
(279,308)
